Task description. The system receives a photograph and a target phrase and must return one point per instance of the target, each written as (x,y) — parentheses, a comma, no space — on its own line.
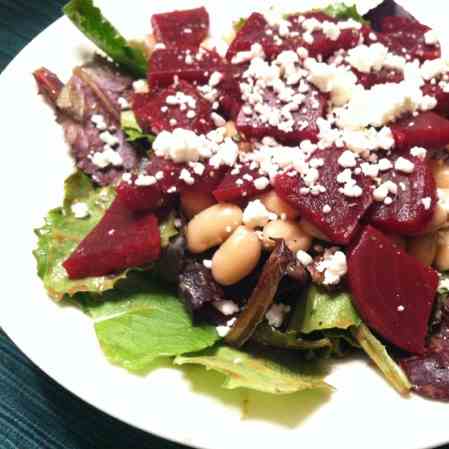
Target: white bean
(442,254)
(424,248)
(441,174)
(212,226)
(237,256)
(294,235)
(274,203)
(310,229)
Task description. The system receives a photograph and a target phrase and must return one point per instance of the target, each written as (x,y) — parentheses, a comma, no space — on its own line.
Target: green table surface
(61,420)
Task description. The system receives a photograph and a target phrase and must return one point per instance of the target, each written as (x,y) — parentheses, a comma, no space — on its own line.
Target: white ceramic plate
(182,405)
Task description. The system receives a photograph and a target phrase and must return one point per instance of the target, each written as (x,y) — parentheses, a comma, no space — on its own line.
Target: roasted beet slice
(190,64)
(120,240)
(257,30)
(178,106)
(413,205)
(181,28)
(303,125)
(171,180)
(428,130)
(253,31)
(320,44)
(229,94)
(140,198)
(333,213)
(238,186)
(392,291)
(368,80)
(429,373)
(405,36)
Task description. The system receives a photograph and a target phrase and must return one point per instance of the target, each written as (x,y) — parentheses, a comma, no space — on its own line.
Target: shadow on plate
(287,410)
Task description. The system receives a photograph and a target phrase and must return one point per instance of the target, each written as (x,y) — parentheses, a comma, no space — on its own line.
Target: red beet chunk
(236,187)
(392,291)
(229,94)
(428,130)
(407,215)
(399,33)
(172,176)
(181,28)
(340,224)
(191,64)
(139,198)
(304,120)
(442,97)
(253,31)
(154,114)
(122,239)
(321,44)
(429,373)
(368,80)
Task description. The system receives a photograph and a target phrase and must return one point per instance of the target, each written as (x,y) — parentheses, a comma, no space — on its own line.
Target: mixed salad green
(138,316)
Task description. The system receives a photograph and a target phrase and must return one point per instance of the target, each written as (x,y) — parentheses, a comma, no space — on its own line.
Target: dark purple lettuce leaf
(197,287)
(385,9)
(94,89)
(262,296)
(429,373)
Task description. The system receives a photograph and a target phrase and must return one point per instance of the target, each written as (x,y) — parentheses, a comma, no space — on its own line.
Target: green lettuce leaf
(343,12)
(258,372)
(141,320)
(268,336)
(238,24)
(91,22)
(61,234)
(379,355)
(168,229)
(131,128)
(323,310)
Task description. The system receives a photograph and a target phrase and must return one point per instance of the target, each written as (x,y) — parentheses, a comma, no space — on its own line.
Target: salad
(261,204)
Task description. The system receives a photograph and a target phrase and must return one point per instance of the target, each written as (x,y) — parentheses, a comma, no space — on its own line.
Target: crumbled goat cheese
(109,139)
(339,82)
(261,183)
(106,158)
(186,176)
(123,103)
(367,58)
(215,79)
(145,180)
(207,263)
(222,331)
(404,165)
(141,87)
(181,145)
(244,56)
(80,210)
(226,307)
(334,267)
(427,202)
(304,258)
(218,120)
(256,215)
(431,37)
(347,159)
(418,152)
(276,315)
(99,122)
(384,164)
